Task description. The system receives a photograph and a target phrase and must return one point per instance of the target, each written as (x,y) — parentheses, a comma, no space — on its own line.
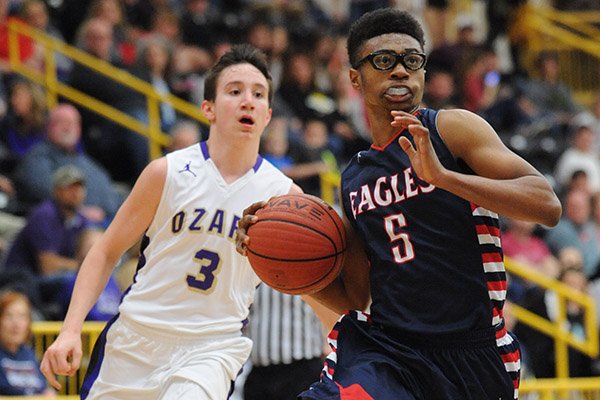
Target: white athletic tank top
(190,279)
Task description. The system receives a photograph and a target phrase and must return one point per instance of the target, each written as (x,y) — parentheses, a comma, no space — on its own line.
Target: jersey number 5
(209,264)
(403,251)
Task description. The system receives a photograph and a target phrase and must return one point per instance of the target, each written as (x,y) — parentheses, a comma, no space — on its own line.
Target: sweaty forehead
(397,42)
(246,74)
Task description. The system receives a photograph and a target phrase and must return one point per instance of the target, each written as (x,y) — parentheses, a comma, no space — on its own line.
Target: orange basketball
(297,245)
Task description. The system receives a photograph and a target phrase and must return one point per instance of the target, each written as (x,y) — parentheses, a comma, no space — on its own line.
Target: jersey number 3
(402,251)
(209,264)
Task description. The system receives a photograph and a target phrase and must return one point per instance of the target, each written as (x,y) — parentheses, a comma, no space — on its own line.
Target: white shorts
(136,366)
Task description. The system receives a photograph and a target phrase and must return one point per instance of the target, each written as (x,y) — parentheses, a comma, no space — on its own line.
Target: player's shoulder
(458,118)
(271,179)
(265,167)
(192,150)
(188,161)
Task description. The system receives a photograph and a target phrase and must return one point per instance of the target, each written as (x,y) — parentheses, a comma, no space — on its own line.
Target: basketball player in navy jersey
(421,208)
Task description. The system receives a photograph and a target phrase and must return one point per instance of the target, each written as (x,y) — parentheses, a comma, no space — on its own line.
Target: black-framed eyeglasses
(385,60)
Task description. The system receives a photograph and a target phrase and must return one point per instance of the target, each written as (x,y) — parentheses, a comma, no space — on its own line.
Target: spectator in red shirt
(26,48)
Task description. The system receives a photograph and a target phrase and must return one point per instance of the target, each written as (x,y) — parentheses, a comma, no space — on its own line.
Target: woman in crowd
(19,369)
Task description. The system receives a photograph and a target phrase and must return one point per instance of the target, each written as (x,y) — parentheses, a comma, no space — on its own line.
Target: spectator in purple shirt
(45,250)
(47,244)
(49,249)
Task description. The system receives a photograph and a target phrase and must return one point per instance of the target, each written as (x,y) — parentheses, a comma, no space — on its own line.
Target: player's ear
(354,78)
(207,108)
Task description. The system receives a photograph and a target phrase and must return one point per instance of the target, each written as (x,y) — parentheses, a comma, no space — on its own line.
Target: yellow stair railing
(54,88)
(563,389)
(329,184)
(59,397)
(572,35)
(558,329)
(44,334)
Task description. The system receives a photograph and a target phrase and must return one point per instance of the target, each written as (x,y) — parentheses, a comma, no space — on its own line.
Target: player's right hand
(62,358)
(248,218)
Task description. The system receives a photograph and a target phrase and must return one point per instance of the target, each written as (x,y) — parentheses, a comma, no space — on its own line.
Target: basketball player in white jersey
(178,331)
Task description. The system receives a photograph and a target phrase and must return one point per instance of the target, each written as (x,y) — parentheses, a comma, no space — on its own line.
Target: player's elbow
(555,215)
(552,211)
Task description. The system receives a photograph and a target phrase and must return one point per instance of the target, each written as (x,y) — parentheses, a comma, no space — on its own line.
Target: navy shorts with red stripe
(369,362)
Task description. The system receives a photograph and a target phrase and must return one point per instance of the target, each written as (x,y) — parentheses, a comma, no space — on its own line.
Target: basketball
(297,245)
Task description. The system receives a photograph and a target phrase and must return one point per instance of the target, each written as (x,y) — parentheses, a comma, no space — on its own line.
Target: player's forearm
(333,297)
(92,278)
(327,317)
(339,299)
(528,198)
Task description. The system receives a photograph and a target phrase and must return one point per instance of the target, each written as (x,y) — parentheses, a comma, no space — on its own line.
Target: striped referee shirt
(284,329)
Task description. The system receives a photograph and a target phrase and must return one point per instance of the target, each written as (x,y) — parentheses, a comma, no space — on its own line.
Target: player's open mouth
(246,121)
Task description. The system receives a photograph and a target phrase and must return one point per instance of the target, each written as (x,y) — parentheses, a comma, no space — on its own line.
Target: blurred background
(103,86)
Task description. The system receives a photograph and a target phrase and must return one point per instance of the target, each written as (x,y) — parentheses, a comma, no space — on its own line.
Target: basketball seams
(326,207)
(340,229)
(335,253)
(317,262)
(294,260)
(315,286)
(285,221)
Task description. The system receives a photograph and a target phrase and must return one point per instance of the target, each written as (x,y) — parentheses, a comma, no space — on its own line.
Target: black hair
(239,54)
(380,22)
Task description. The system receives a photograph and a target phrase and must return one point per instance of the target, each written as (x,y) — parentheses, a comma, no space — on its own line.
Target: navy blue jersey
(436,259)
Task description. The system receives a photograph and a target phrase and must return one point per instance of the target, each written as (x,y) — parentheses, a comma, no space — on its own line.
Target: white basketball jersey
(190,278)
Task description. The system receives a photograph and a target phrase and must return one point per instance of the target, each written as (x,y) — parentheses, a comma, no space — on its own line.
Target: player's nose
(399,72)
(248,100)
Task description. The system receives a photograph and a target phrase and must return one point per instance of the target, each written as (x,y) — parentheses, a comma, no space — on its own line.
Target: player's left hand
(425,162)
(248,218)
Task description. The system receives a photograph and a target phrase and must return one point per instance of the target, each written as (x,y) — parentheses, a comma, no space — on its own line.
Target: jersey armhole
(160,207)
(439,133)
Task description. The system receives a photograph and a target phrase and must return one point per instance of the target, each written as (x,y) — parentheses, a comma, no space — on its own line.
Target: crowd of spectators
(318,119)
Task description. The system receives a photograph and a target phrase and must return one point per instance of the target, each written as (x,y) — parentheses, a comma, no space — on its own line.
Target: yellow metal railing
(558,329)
(573,36)
(70,397)
(563,389)
(54,88)
(330,182)
(44,333)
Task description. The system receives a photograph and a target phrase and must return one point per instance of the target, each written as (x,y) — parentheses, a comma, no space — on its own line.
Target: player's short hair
(380,22)
(239,54)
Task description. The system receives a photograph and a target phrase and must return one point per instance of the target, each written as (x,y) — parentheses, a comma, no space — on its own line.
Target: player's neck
(381,130)
(232,160)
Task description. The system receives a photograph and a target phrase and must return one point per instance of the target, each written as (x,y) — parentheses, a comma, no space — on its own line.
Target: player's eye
(413,61)
(384,61)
